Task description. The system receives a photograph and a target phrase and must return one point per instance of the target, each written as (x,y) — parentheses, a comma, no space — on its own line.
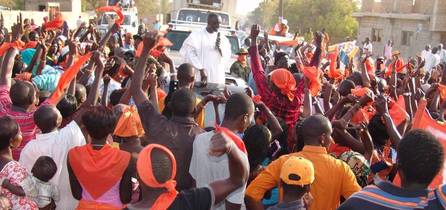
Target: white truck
(131,21)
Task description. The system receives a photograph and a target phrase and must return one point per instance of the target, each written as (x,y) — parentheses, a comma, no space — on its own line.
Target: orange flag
(313,74)
(66,78)
(333,72)
(423,120)
(397,111)
(57,23)
(7,45)
(115,9)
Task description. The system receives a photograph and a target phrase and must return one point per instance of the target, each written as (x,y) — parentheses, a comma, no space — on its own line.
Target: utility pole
(281,8)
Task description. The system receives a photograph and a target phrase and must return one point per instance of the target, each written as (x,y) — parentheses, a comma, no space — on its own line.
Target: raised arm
(238,168)
(92,98)
(9,57)
(364,74)
(383,110)
(104,98)
(256,65)
(135,88)
(274,125)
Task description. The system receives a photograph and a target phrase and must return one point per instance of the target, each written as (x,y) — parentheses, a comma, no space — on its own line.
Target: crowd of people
(89,123)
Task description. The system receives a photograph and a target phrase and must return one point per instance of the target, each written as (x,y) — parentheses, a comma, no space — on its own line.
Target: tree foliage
(302,15)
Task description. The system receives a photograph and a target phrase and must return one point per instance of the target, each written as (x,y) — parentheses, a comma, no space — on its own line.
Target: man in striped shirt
(420,159)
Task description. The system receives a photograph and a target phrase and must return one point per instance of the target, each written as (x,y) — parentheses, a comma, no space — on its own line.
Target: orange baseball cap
(297,171)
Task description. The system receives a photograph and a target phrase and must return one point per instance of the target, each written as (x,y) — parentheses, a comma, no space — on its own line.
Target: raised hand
(381,105)
(106,79)
(17,29)
(255,31)
(96,58)
(220,144)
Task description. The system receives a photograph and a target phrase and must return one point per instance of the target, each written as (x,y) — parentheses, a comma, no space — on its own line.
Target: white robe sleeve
(189,51)
(226,48)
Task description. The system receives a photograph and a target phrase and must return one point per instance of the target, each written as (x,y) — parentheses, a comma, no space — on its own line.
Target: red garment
(288,110)
(31,44)
(24,119)
(98,170)
(333,72)
(399,67)
(57,23)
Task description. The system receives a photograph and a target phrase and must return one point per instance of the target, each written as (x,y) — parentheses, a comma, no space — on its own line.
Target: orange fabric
(360,91)
(129,124)
(363,115)
(31,44)
(139,50)
(333,72)
(236,139)
(257,99)
(8,45)
(160,47)
(115,9)
(25,76)
(369,65)
(442,89)
(98,170)
(313,74)
(66,78)
(284,80)
(337,149)
(161,97)
(422,120)
(399,66)
(89,205)
(57,23)
(145,173)
(397,111)
(289,43)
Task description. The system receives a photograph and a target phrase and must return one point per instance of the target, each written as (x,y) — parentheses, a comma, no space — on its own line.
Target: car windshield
(177,38)
(109,18)
(199,16)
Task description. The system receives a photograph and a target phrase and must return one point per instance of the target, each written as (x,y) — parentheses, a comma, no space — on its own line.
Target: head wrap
(145,172)
(284,80)
(129,124)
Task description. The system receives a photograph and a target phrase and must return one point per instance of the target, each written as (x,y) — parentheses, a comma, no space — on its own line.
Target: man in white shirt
(442,53)
(55,144)
(207,50)
(432,59)
(426,51)
(206,169)
(367,47)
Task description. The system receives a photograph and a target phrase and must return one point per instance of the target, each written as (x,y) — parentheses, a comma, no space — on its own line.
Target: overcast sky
(245,6)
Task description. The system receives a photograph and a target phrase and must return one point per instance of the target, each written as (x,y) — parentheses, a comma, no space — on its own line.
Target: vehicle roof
(204,10)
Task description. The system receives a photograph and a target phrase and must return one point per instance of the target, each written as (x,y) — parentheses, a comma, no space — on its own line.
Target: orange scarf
(284,80)
(313,74)
(145,173)
(91,205)
(115,9)
(129,124)
(8,45)
(57,23)
(66,78)
(98,170)
(236,139)
(360,91)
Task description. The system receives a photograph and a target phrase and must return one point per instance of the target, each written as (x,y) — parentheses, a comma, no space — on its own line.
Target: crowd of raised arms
(89,123)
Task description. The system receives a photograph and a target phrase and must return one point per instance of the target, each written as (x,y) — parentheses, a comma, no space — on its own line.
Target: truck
(131,21)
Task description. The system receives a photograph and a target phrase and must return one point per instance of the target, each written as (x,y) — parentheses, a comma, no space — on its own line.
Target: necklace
(97,145)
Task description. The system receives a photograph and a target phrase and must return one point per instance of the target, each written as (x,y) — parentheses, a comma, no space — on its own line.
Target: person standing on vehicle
(206,50)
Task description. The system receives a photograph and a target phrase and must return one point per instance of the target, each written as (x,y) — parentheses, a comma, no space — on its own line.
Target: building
(60,5)
(411,24)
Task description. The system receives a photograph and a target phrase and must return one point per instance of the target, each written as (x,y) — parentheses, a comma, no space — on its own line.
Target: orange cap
(297,171)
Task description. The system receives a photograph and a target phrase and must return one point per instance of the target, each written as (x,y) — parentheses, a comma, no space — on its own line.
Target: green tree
(333,15)
(13,4)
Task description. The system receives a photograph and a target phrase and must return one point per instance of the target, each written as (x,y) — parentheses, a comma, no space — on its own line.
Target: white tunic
(199,50)
(56,145)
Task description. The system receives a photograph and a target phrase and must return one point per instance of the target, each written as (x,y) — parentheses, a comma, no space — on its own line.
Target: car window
(177,38)
(199,16)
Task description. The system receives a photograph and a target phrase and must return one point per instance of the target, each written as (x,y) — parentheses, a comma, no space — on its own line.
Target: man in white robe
(207,50)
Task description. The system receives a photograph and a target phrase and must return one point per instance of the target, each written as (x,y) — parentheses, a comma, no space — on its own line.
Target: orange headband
(144,168)
(284,80)
(129,124)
